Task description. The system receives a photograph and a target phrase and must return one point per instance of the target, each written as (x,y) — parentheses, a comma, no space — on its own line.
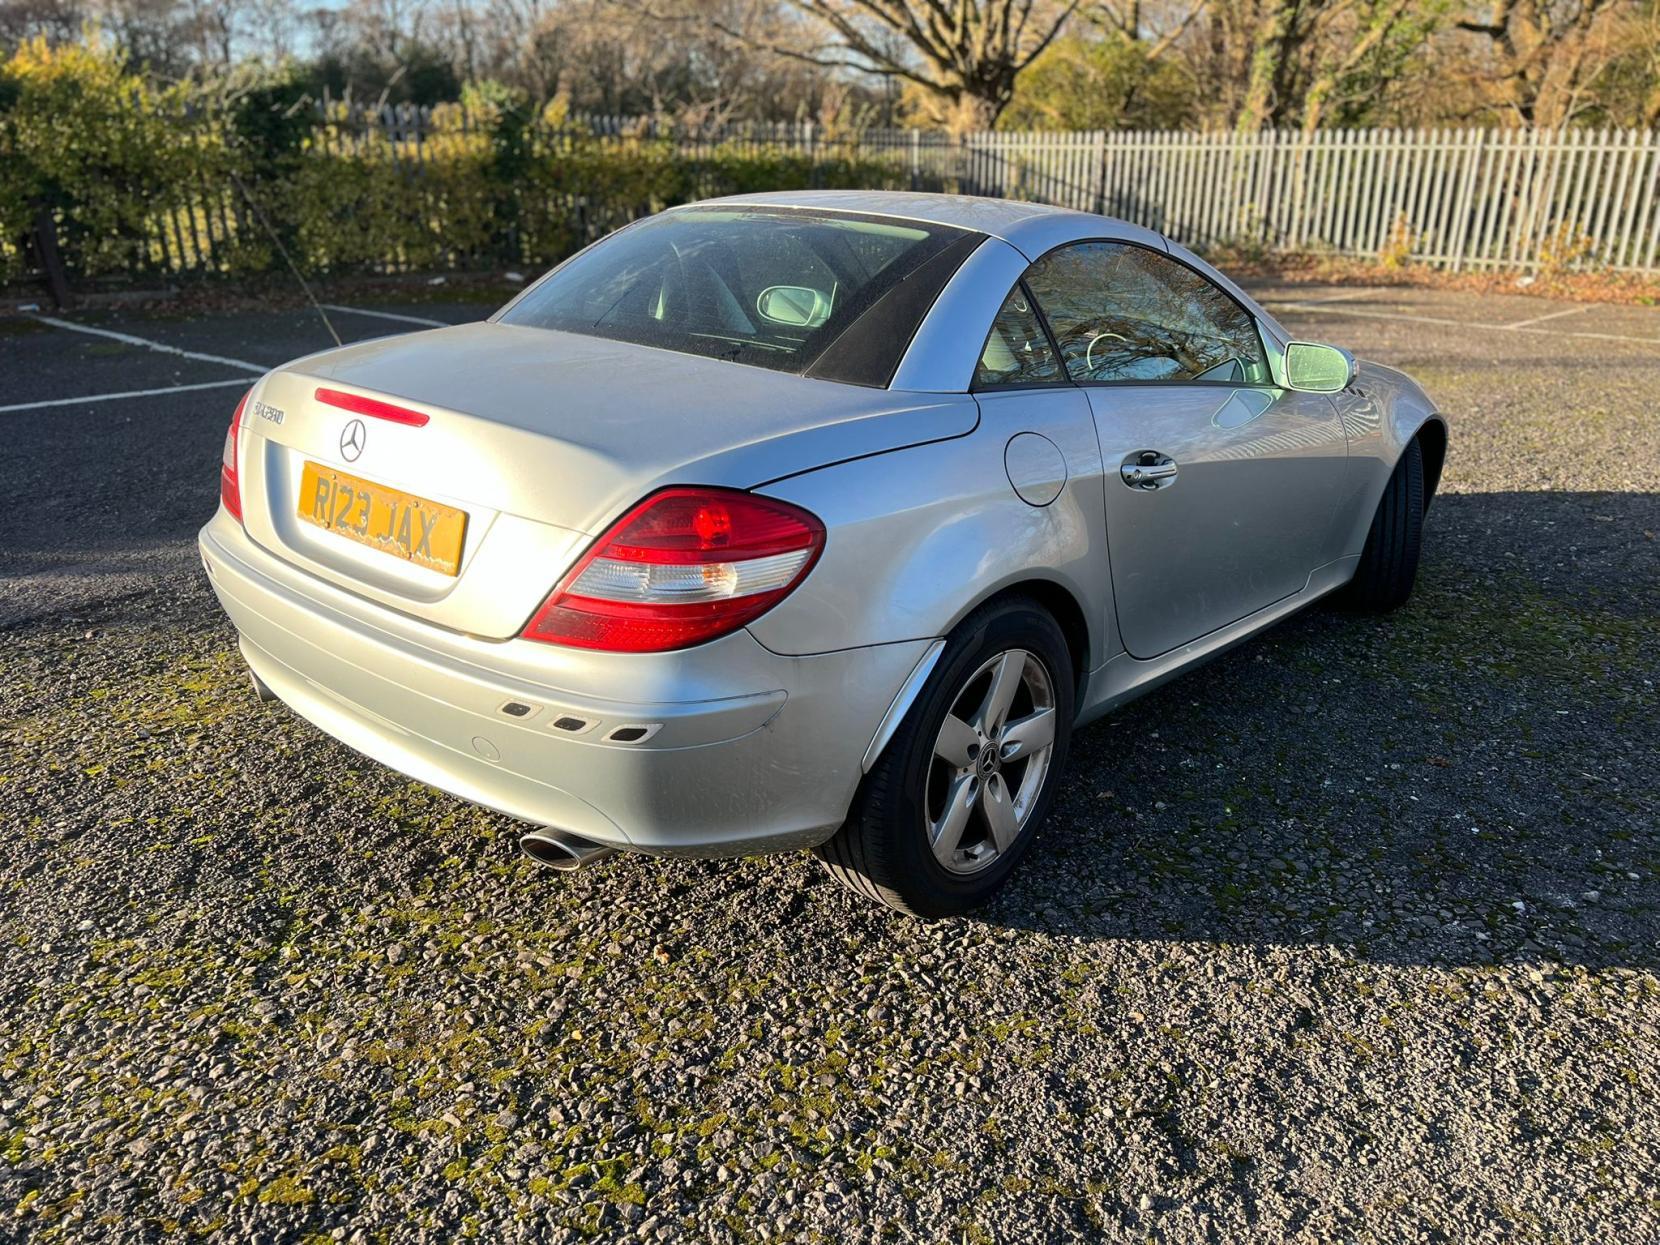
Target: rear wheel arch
(885,849)
(1061,604)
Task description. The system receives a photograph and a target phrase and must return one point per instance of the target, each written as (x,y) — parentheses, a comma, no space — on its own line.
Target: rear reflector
(683,567)
(230,488)
(357,404)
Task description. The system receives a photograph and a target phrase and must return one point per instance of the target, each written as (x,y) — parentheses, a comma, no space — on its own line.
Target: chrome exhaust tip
(263,693)
(557,850)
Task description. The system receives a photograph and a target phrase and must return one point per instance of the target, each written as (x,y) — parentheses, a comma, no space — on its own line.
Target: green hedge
(363,212)
(142,182)
(79,134)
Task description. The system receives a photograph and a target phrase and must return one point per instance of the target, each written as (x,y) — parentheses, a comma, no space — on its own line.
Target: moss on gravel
(1351,935)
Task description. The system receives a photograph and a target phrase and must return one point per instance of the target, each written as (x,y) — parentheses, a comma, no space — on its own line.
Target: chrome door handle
(1148,469)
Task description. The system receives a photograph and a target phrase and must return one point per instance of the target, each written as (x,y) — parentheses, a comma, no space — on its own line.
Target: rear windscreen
(832,295)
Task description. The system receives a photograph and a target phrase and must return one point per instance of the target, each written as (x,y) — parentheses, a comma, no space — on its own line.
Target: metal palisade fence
(1453,198)
(404,188)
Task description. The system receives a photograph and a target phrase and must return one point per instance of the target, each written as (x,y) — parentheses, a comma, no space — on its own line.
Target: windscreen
(777,288)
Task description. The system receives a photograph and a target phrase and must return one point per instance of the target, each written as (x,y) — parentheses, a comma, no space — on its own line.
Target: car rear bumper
(742,750)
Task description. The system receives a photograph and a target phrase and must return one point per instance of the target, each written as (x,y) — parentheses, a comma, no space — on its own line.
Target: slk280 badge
(266,411)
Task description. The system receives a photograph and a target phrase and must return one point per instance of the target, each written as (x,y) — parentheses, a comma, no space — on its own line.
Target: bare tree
(1302,52)
(1543,54)
(55,20)
(517,40)
(271,30)
(1286,62)
(384,27)
(211,27)
(1145,25)
(962,55)
(1373,24)
(1645,37)
(696,62)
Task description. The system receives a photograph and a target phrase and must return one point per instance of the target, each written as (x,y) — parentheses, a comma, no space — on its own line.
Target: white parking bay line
(1325,309)
(1555,315)
(91,399)
(1381,315)
(1343,297)
(387,315)
(145,342)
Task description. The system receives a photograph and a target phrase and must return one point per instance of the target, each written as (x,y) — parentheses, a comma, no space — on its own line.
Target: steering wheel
(1089,350)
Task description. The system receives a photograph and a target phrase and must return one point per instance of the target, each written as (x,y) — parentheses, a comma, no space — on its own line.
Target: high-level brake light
(375,408)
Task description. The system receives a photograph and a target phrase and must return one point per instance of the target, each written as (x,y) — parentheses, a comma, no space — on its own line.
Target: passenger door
(1219,484)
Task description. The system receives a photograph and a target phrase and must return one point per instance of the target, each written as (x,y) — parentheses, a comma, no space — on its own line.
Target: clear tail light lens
(230,491)
(684,566)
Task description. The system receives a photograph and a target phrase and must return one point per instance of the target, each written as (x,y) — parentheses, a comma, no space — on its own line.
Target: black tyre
(1389,563)
(955,800)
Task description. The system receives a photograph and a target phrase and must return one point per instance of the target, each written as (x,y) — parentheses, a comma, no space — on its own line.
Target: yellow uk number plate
(412,528)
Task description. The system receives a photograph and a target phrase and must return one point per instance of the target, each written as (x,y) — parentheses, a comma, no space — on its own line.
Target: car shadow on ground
(1472,779)
(1395,786)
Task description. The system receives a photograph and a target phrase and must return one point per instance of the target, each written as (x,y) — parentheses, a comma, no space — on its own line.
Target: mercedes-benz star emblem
(351,440)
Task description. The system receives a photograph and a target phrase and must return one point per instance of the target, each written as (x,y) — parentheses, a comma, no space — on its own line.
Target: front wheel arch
(1388,564)
(1432,441)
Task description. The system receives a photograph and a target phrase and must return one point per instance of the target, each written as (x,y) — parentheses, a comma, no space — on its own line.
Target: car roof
(1031,228)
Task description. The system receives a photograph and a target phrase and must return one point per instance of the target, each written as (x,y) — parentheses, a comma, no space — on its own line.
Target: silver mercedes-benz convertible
(806,520)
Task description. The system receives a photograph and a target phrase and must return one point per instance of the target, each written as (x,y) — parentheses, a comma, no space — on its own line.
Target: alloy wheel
(990,760)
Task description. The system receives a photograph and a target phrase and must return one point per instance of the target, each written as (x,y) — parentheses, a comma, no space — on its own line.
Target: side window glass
(1017,350)
(1125,313)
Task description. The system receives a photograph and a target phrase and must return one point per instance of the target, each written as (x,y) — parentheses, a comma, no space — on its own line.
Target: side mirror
(1318,369)
(796,305)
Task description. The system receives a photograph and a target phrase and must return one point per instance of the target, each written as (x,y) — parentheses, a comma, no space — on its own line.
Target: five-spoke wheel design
(990,759)
(958,797)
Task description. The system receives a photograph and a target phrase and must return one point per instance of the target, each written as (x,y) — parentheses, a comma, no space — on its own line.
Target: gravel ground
(1352,935)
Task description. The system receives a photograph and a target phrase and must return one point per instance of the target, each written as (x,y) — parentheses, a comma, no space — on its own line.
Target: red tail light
(684,566)
(230,492)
